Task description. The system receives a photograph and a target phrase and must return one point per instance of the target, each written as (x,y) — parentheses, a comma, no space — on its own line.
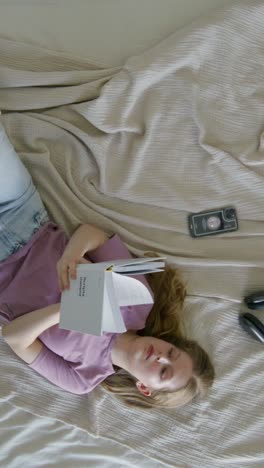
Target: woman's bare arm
(86,238)
(21,334)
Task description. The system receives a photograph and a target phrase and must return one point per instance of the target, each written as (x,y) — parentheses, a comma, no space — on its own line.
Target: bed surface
(34,442)
(107,33)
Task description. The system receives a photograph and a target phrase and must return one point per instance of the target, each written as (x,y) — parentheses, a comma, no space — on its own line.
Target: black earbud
(255,301)
(252,325)
(249,322)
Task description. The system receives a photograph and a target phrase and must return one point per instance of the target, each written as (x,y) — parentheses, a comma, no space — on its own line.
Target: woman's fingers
(59,275)
(67,269)
(63,275)
(72,269)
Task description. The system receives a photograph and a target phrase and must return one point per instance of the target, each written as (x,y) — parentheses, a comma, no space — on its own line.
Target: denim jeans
(22,212)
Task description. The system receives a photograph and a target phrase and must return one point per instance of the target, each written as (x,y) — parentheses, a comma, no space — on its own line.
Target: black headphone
(249,322)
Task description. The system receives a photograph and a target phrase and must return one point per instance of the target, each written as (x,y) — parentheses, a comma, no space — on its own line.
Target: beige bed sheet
(31,441)
(135,149)
(106,31)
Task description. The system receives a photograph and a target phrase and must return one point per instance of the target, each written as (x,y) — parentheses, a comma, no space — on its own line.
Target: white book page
(130,291)
(145,262)
(112,316)
(135,269)
(139,272)
(109,263)
(82,304)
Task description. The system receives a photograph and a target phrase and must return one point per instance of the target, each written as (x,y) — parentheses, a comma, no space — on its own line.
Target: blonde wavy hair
(164,322)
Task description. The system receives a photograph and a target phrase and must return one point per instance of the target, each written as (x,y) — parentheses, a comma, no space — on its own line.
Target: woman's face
(158,365)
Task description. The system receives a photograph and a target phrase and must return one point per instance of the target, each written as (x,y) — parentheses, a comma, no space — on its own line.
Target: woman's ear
(143,389)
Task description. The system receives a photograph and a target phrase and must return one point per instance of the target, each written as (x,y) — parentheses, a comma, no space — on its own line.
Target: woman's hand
(66,269)
(86,238)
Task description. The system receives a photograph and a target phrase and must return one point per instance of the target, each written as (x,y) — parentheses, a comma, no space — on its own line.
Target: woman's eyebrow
(175,355)
(170,369)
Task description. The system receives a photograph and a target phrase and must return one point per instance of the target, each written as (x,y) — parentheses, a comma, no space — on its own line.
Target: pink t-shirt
(74,361)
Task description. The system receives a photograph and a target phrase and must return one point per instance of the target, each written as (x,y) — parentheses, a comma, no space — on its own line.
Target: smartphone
(208,223)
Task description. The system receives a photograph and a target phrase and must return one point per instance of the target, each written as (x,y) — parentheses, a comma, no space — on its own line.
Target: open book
(92,304)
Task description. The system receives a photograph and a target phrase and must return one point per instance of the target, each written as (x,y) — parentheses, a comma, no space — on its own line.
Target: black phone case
(209,233)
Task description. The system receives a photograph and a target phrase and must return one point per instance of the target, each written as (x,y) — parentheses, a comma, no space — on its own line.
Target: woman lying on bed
(152,364)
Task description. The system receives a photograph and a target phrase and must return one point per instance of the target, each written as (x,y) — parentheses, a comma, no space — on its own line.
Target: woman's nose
(162,359)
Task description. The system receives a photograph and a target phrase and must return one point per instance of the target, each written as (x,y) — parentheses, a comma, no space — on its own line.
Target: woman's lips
(149,352)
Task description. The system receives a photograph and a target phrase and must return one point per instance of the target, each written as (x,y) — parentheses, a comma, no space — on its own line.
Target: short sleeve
(59,372)
(112,249)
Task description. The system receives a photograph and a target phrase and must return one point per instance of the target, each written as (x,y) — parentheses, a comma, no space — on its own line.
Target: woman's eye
(170,352)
